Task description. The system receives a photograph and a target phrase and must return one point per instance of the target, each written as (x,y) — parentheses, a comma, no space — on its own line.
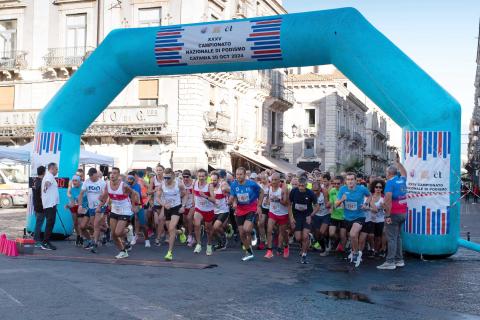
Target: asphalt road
(76,287)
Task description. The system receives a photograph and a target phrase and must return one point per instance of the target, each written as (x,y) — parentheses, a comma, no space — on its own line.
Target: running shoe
(77,241)
(198,248)
(128,247)
(290,239)
(350,257)
(147,244)
(169,256)
(182,237)
(88,245)
(121,255)
(325,252)
(38,244)
(279,251)
(269,254)
(209,251)
(387,266)
(189,240)
(354,258)
(94,249)
(158,242)
(134,240)
(248,256)
(104,239)
(47,246)
(400,263)
(303,259)
(261,246)
(316,245)
(130,234)
(229,231)
(359,259)
(254,238)
(286,252)
(339,248)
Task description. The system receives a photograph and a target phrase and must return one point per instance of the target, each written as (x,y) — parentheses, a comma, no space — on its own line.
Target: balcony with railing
(12,60)
(66,57)
(309,153)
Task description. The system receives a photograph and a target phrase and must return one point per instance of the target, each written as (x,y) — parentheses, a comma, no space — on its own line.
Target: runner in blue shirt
(352,196)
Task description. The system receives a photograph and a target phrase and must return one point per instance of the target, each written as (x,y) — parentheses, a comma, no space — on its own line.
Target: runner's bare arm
(325,198)
(403,171)
(211,194)
(284,200)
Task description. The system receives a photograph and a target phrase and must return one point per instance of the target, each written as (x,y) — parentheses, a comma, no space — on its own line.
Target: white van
(13,187)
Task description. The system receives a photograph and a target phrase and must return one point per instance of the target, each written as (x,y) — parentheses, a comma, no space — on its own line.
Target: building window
(8,38)
(7,98)
(149,17)
(76,35)
(309,148)
(310,115)
(273,132)
(148,92)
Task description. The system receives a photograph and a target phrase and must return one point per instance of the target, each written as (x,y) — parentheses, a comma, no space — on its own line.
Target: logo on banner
(427,159)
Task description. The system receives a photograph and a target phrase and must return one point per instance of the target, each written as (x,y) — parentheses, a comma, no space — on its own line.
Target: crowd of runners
(266,211)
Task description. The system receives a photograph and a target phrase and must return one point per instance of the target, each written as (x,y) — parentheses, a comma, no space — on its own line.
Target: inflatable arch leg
(342,37)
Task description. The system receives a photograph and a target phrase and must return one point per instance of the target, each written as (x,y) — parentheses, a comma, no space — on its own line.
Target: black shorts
(172,212)
(251,216)
(157,207)
(222,216)
(317,221)
(360,221)
(121,217)
(339,224)
(301,221)
(375,228)
(265,210)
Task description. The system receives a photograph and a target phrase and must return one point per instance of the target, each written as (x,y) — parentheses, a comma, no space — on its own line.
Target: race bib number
(301,207)
(202,202)
(243,197)
(351,205)
(274,206)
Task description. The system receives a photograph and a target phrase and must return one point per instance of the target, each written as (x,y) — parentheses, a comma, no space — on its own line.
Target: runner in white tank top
(263,216)
(278,215)
(204,197)
(189,206)
(222,210)
(156,194)
(121,197)
(173,201)
(321,217)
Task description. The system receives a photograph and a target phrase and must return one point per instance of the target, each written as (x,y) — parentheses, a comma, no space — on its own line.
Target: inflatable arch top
(429,116)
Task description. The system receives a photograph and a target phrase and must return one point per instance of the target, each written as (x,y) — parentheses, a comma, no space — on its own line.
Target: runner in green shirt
(337,218)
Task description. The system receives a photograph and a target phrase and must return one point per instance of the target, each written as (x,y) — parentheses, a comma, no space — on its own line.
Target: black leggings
(49,214)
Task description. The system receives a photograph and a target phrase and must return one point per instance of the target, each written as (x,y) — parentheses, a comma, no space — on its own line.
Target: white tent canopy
(14,155)
(22,154)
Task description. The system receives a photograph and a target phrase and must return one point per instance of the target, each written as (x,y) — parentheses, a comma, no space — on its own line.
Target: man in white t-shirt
(94,188)
(50,200)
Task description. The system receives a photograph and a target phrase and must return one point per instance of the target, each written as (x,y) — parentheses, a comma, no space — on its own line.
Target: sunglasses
(167,178)
(185,177)
(316,190)
(378,187)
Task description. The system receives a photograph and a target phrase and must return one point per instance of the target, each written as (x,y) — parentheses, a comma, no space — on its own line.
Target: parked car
(13,187)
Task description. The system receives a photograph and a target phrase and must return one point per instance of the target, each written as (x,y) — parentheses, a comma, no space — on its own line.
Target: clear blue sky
(439,35)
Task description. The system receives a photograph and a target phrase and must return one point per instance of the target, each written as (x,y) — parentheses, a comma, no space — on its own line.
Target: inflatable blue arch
(429,116)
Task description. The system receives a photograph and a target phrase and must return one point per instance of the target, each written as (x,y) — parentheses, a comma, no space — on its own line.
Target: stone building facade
(376,150)
(200,120)
(328,122)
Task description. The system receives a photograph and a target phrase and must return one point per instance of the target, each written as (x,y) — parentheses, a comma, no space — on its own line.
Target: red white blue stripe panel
(427,221)
(47,142)
(424,144)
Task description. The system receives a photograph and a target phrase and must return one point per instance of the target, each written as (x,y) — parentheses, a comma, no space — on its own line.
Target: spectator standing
(50,200)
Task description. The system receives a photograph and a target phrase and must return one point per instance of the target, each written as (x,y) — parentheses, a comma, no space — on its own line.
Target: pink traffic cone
(13,251)
(3,240)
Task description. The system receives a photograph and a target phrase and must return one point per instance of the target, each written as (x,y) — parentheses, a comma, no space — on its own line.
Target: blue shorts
(91,212)
(141,217)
